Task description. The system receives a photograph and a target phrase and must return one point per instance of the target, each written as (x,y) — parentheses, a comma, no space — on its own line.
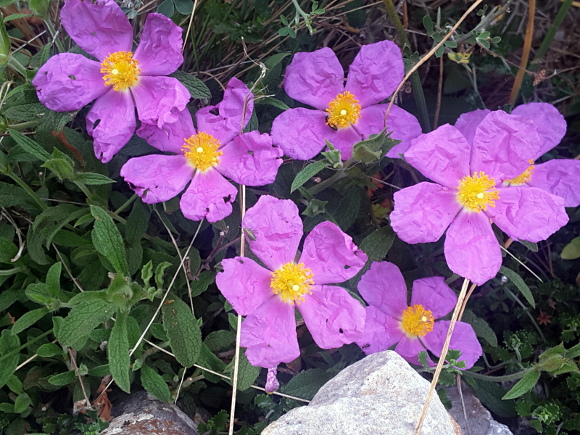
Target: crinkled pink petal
(383,287)
(314,78)
(401,124)
(250,159)
(471,249)
(115,113)
(381,331)
(228,118)
(272,383)
(157,178)
(549,123)
(343,139)
(423,212)
(332,316)
(560,177)
(244,283)
(159,49)
(528,213)
(300,133)
(434,295)
(375,72)
(331,255)
(269,334)
(68,82)
(277,229)
(171,137)
(409,349)
(463,339)
(503,146)
(159,99)
(209,196)
(99,27)
(468,122)
(442,155)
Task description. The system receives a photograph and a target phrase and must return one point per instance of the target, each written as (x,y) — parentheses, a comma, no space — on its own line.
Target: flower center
(477,192)
(120,70)
(291,282)
(201,151)
(524,177)
(417,321)
(343,111)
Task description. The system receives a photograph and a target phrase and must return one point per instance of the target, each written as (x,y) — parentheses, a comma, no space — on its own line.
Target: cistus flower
(269,294)
(469,193)
(120,80)
(202,158)
(345,113)
(560,177)
(390,320)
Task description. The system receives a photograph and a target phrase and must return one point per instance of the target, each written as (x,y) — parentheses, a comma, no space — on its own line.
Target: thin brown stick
(439,94)
(525,53)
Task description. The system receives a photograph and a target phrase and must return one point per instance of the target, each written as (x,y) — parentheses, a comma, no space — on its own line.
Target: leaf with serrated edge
(119,359)
(524,385)
(307,173)
(108,241)
(81,321)
(183,332)
(154,384)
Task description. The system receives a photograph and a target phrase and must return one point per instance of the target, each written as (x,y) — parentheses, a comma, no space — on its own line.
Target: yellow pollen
(524,177)
(343,111)
(120,70)
(202,151)
(477,192)
(292,281)
(417,321)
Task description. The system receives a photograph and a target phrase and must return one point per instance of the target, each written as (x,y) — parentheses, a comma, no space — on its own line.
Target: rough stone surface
(479,419)
(142,414)
(380,394)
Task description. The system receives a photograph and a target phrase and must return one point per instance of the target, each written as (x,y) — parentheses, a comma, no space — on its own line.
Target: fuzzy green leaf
(520,284)
(29,145)
(377,244)
(247,373)
(572,250)
(197,89)
(154,384)
(307,173)
(183,332)
(8,343)
(119,359)
(93,179)
(63,379)
(524,385)
(81,321)
(28,319)
(108,241)
(306,384)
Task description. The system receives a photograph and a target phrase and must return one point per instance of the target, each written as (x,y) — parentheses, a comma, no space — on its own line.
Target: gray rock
(380,394)
(143,414)
(479,419)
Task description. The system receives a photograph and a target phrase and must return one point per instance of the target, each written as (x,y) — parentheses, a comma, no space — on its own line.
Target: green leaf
(377,244)
(30,146)
(53,279)
(204,280)
(208,360)
(306,384)
(137,222)
(184,7)
(572,250)
(28,319)
(166,8)
(219,340)
(154,384)
(183,331)
(81,321)
(63,379)
(7,251)
(307,173)
(11,195)
(48,350)
(21,403)
(272,102)
(108,241)
(481,327)
(93,179)
(524,385)
(530,245)
(573,352)
(520,284)
(8,343)
(247,373)
(197,89)
(119,359)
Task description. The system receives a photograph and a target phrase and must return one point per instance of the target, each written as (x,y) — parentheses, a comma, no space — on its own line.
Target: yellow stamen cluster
(524,177)
(120,70)
(292,281)
(417,321)
(343,111)
(202,151)
(477,192)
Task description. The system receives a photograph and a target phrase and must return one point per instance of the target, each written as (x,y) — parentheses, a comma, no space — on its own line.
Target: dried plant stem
(439,94)
(525,52)
(431,53)
(454,318)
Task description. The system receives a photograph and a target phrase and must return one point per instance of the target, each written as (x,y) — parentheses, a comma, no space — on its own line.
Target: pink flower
(345,114)
(390,320)
(121,80)
(469,193)
(560,177)
(268,295)
(204,157)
